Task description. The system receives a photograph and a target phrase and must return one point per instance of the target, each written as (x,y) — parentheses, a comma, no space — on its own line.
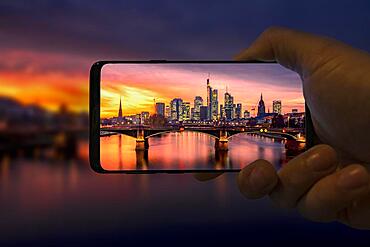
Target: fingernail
(257,178)
(355,178)
(319,162)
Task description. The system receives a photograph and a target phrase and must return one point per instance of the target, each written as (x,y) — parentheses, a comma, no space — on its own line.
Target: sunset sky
(47,47)
(139,84)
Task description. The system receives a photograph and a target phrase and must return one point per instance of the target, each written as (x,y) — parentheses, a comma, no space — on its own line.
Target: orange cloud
(45,79)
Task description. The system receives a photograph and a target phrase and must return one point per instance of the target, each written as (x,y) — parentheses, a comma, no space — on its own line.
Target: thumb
(295,50)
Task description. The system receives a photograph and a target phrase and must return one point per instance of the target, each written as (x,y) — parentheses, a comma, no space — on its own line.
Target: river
(189,151)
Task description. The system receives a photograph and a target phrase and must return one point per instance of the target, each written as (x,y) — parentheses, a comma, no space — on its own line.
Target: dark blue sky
(171,29)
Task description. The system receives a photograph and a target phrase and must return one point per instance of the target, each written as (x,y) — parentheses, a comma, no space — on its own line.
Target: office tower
(120,110)
(229,110)
(233,112)
(203,113)
(261,108)
(209,100)
(198,102)
(214,103)
(276,106)
(247,114)
(168,111)
(238,111)
(185,111)
(176,109)
(144,116)
(159,109)
(222,112)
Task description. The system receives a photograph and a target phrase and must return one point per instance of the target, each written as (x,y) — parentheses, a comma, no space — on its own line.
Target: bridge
(222,135)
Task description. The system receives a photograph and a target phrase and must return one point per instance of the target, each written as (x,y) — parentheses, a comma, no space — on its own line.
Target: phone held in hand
(194,116)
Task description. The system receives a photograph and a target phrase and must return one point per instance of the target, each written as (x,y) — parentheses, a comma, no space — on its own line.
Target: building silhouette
(120,110)
(214,105)
(261,108)
(238,111)
(229,106)
(203,113)
(209,100)
(185,111)
(276,106)
(198,102)
(160,109)
(176,110)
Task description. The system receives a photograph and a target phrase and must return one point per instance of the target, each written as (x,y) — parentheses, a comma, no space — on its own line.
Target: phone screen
(199,116)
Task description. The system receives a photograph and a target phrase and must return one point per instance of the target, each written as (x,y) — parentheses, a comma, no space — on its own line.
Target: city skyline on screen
(139,87)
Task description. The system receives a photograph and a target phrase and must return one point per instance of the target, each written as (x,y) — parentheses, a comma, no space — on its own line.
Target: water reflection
(189,150)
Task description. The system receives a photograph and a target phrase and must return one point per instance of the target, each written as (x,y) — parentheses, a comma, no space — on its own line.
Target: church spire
(120,109)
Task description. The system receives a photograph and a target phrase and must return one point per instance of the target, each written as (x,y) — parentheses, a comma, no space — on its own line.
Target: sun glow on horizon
(139,85)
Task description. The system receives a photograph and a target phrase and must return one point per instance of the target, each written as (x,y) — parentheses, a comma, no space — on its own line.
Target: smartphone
(194,116)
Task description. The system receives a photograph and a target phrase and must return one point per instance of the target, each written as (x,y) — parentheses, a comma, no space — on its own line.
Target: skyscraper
(276,106)
(120,110)
(261,108)
(209,100)
(198,102)
(229,109)
(238,111)
(185,111)
(168,111)
(222,112)
(176,109)
(214,104)
(144,116)
(159,109)
(203,113)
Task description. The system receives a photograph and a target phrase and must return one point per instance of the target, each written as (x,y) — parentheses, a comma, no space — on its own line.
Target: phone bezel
(94,115)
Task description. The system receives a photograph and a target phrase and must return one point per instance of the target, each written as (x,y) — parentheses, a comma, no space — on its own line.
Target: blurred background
(48,193)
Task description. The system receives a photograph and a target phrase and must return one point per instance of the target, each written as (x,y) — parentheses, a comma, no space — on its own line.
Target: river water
(189,151)
(63,202)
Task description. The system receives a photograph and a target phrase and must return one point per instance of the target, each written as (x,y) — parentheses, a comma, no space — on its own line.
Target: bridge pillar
(222,143)
(142,143)
(142,159)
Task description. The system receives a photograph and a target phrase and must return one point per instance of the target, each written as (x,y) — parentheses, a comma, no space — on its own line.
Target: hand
(328,182)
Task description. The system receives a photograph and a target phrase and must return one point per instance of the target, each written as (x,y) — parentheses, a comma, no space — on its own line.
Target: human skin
(330,181)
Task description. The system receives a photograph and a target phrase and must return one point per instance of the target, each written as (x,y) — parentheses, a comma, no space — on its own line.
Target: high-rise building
(214,105)
(247,114)
(203,113)
(238,111)
(222,112)
(261,108)
(159,109)
(168,111)
(228,106)
(209,100)
(233,112)
(120,110)
(276,106)
(198,102)
(176,109)
(144,116)
(185,111)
